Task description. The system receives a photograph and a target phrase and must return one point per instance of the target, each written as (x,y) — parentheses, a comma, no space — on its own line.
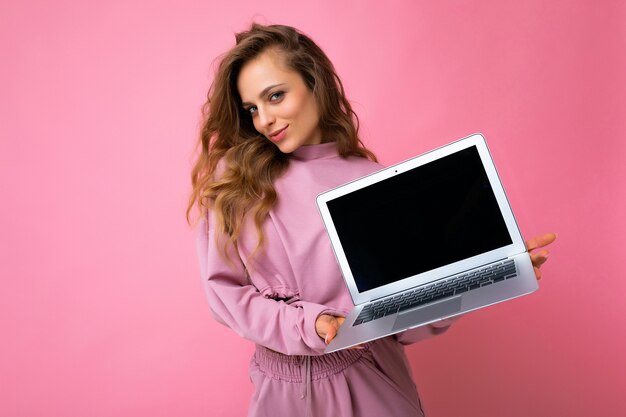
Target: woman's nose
(265,118)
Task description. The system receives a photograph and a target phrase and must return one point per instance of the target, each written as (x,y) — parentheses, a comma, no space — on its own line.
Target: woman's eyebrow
(263,93)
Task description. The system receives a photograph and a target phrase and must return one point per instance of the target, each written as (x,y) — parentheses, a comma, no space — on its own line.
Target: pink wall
(101,309)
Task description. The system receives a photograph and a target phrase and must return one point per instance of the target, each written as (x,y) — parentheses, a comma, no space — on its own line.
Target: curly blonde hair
(246,162)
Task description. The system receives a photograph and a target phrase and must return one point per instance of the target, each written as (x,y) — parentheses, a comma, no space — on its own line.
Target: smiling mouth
(279,134)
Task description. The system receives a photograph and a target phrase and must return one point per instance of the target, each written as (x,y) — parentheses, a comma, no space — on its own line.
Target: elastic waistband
(289,367)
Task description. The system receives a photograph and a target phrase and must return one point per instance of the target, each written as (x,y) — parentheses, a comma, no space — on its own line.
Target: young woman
(278,130)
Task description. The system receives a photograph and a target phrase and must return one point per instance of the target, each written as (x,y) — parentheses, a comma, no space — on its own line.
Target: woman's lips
(280,135)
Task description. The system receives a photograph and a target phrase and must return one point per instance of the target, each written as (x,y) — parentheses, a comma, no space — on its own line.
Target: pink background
(101,308)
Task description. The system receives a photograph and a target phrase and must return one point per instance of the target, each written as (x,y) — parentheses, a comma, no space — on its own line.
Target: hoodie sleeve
(236,303)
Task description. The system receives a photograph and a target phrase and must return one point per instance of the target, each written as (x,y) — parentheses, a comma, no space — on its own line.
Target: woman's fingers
(361,346)
(539,258)
(327,326)
(333,327)
(540,241)
(330,334)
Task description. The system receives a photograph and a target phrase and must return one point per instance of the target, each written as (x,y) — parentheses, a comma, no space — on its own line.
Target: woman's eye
(276,96)
(252,110)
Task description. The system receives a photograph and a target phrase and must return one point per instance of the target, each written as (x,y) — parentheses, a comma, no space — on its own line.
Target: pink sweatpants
(374,381)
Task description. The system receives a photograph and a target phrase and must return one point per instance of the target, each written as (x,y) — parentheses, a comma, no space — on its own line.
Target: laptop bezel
(504,252)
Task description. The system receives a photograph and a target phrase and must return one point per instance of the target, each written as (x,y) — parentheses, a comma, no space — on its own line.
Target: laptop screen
(430,216)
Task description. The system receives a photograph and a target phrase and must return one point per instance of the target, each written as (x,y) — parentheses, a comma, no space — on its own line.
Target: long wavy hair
(236,166)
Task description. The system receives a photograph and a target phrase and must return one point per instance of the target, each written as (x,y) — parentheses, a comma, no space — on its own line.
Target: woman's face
(282,107)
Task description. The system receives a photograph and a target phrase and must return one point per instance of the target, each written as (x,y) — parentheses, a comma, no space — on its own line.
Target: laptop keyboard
(424,295)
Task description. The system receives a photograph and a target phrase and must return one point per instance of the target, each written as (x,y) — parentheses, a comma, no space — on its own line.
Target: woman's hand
(327,326)
(539,258)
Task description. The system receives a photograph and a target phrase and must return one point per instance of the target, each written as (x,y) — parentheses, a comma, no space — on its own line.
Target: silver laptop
(426,239)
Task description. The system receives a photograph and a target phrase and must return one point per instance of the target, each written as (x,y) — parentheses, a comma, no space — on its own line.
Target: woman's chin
(286,147)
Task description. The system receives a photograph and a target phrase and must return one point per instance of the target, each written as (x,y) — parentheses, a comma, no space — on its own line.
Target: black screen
(425,218)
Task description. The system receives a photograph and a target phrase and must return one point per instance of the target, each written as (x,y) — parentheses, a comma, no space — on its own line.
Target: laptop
(430,238)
